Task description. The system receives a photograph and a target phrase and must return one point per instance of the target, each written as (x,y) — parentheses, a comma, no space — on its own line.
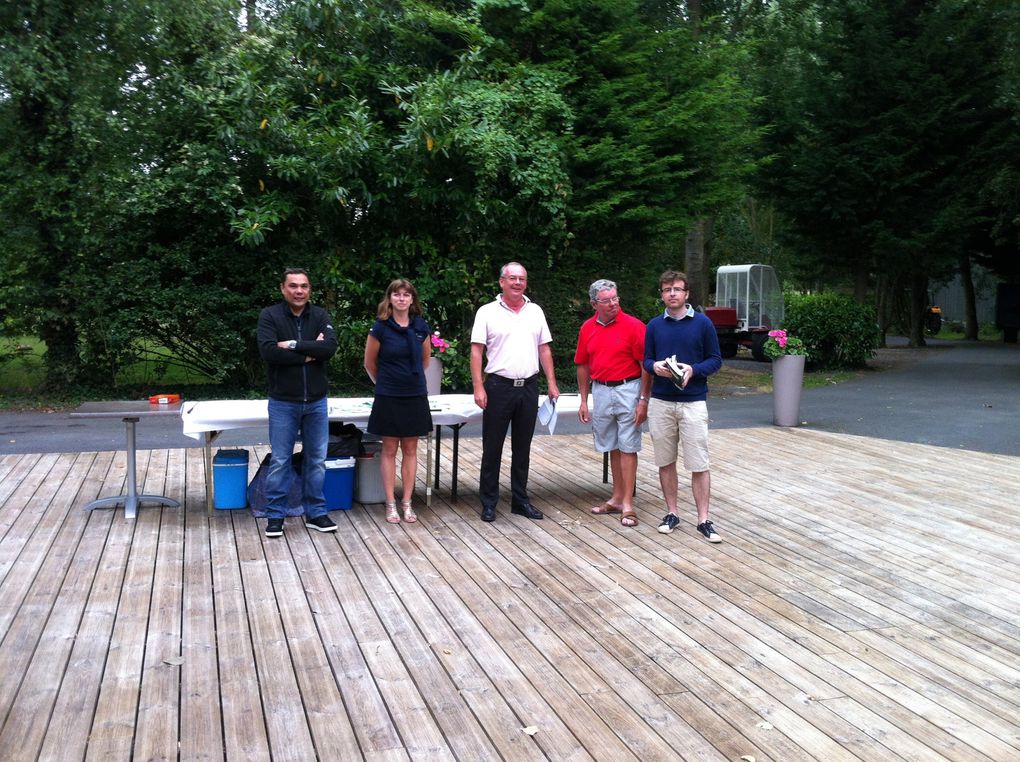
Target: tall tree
(886,121)
(661,133)
(61,70)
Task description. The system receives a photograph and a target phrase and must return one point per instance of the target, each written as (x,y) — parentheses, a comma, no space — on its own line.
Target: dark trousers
(515,407)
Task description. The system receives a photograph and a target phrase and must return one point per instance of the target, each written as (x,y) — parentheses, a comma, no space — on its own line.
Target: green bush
(347,368)
(838,332)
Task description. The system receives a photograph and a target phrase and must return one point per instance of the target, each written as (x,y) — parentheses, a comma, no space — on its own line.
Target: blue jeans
(286,419)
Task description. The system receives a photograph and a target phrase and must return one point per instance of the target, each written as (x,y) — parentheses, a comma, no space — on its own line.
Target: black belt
(617,383)
(513,381)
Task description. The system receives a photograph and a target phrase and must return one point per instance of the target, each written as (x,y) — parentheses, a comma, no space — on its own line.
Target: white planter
(787,385)
(434,376)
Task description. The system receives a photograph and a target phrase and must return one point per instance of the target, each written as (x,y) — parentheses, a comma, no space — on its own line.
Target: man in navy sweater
(681,352)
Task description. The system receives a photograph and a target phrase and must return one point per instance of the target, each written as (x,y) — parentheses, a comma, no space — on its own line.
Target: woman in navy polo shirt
(397,352)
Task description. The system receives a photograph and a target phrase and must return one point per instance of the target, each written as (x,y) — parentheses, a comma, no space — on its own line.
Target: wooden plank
(931,670)
(725,738)
(368,606)
(333,588)
(537,583)
(784,669)
(283,707)
(13,469)
(245,734)
(522,657)
(44,633)
(327,718)
(456,594)
(201,731)
(114,724)
(158,722)
(429,647)
(27,541)
(805,635)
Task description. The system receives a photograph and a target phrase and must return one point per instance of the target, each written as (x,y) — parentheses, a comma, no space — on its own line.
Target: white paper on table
(547,414)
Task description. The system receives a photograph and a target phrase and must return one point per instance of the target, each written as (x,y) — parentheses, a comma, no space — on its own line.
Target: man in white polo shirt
(513,334)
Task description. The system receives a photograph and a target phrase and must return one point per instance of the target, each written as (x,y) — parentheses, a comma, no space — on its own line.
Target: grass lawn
(22,377)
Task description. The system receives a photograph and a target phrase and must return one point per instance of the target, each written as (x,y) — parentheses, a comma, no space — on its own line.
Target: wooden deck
(864,605)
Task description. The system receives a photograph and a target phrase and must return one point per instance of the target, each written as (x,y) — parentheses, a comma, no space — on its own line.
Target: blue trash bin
(230,479)
(339,484)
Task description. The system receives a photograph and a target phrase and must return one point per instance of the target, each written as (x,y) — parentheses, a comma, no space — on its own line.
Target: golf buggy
(749,304)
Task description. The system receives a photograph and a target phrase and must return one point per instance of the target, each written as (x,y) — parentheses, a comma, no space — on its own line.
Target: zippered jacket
(292,378)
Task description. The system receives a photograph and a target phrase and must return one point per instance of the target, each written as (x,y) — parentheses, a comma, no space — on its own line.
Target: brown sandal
(629,519)
(601,510)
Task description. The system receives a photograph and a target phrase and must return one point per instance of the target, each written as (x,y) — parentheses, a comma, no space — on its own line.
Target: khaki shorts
(675,424)
(612,420)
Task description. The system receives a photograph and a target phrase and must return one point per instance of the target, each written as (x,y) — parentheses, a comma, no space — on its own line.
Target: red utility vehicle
(749,304)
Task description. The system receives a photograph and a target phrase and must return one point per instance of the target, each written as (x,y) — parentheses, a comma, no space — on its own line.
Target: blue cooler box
(230,479)
(339,484)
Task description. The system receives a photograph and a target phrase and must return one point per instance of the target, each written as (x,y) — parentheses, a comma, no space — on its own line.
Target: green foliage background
(162,162)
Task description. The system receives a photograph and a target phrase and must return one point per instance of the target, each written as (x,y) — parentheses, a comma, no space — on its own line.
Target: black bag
(257,500)
(344,440)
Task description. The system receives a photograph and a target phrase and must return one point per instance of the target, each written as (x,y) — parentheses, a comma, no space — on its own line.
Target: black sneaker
(274,528)
(669,522)
(321,523)
(708,531)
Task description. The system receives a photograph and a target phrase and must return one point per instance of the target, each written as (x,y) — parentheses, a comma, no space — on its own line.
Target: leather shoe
(489,513)
(527,510)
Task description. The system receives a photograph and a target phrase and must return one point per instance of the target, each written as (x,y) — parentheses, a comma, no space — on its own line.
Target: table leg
(605,468)
(428,471)
(439,444)
(207,440)
(456,457)
(207,465)
(132,498)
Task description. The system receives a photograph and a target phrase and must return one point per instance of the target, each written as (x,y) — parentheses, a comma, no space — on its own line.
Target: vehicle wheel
(758,346)
(728,350)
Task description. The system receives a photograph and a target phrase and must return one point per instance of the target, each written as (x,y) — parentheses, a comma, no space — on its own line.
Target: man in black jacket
(296,340)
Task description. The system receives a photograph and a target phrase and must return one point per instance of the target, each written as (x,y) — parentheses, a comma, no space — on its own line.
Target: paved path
(959,394)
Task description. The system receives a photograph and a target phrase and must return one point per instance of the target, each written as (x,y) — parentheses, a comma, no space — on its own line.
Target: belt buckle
(519,381)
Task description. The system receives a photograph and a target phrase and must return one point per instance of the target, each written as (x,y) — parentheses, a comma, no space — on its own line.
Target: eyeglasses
(610,300)
(674,290)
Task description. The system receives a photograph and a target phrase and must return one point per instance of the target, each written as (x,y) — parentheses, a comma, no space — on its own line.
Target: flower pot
(787,384)
(434,376)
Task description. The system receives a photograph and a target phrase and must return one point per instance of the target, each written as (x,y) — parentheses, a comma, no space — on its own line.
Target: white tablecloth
(447,410)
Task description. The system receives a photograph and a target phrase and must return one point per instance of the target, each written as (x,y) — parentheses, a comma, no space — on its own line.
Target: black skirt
(400,416)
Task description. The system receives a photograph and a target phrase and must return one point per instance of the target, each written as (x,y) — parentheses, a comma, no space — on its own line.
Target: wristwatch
(292,344)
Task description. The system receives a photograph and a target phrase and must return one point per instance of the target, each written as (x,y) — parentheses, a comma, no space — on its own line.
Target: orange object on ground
(164,399)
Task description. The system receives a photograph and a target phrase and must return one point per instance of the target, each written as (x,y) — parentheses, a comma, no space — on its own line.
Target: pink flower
(439,343)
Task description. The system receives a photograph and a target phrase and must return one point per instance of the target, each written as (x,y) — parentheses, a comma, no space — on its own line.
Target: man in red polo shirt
(610,348)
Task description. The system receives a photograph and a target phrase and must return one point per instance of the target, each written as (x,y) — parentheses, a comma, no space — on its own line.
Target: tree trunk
(861,286)
(696,263)
(882,308)
(251,18)
(63,363)
(918,306)
(970,321)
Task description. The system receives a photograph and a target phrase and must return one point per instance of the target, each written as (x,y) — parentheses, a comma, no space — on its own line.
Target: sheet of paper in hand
(674,369)
(547,415)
